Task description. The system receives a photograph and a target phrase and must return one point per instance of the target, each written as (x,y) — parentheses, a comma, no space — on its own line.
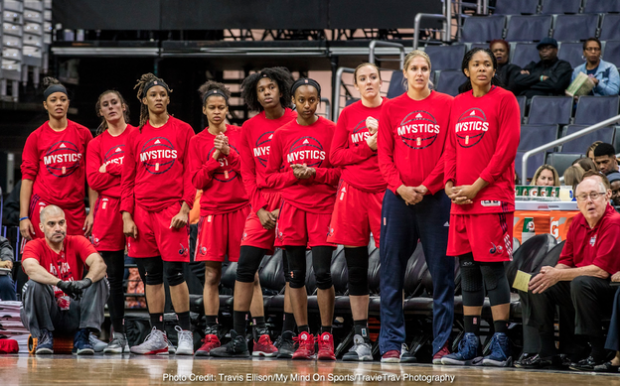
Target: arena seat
(533,136)
(611,52)
(416,268)
(530,255)
(397,85)
(550,110)
(446,57)
(575,27)
(601,6)
(605,134)
(549,7)
(532,164)
(374,265)
(448,81)
(483,29)
(271,273)
(609,27)
(572,53)
(522,100)
(528,28)
(561,161)
(524,54)
(594,109)
(512,7)
(350,101)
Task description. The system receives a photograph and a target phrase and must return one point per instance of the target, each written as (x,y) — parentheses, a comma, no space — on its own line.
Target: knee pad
(287,273)
(249,261)
(496,282)
(174,273)
(358,281)
(471,277)
(153,268)
(296,267)
(323,279)
(321,262)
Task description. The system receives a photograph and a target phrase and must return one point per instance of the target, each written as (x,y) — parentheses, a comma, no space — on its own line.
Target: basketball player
(156,196)
(299,167)
(104,163)
(53,168)
(268,92)
(357,212)
(479,176)
(412,134)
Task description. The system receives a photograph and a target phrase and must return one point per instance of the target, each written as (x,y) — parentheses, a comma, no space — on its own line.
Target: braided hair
(103,126)
(465,65)
(144,80)
(280,75)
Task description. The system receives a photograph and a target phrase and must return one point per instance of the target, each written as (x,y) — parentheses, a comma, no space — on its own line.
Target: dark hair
(144,80)
(592,173)
(592,40)
(280,75)
(52,85)
(465,65)
(103,126)
(502,41)
(364,65)
(213,86)
(605,149)
(306,82)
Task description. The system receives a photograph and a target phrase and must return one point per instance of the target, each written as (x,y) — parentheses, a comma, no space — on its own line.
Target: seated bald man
(579,283)
(58,298)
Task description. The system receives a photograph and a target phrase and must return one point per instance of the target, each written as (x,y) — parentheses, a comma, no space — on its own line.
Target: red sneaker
(264,347)
(392,356)
(306,346)
(326,347)
(208,343)
(440,354)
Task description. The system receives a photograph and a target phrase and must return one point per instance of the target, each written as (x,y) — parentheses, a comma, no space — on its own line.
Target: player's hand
(103,168)
(88,224)
(409,194)
(372,124)
(276,213)
(129,227)
(216,154)
(6,264)
(615,276)
(221,143)
(26,229)
(303,172)
(267,219)
(525,72)
(74,291)
(371,140)
(422,190)
(464,194)
(547,277)
(180,220)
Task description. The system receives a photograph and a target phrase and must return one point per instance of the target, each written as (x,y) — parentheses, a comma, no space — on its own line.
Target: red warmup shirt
(257,133)
(411,141)
(359,163)
(593,246)
(66,265)
(482,143)
(297,144)
(156,172)
(220,180)
(55,161)
(109,150)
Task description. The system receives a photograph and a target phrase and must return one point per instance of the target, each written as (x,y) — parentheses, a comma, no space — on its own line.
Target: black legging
(115,262)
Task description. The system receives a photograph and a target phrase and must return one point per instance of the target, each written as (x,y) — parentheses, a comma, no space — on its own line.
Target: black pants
(585,301)
(613,336)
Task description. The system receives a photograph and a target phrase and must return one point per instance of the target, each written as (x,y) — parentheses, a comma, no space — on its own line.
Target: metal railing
(373,44)
(416,27)
(336,93)
(568,138)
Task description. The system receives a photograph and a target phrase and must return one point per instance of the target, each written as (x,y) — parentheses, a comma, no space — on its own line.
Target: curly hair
(142,82)
(103,126)
(280,75)
(465,66)
(211,85)
(49,81)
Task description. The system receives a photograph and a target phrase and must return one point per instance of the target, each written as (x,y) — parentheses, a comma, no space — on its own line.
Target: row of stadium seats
(546,7)
(520,28)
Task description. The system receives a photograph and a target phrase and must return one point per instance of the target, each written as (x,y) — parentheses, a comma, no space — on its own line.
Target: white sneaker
(155,343)
(97,344)
(186,342)
(117,345)
(171,348)
(361,351)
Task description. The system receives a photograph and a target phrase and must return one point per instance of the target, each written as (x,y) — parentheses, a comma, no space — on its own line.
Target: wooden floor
(141,370)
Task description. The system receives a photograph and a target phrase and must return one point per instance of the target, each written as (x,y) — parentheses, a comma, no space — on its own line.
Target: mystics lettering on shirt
(62,159)
(470,127)
(262,146)
(306,150)
(418,130)
(158,155)
(360,132)
(114,155)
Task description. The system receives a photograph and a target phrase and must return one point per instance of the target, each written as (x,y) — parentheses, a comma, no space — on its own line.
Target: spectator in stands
(55,266)
(586,164)
(550,76)
(590,151)
(7,287)
(579,283)
(605,158)
(506,72)
(603,74)
(614,183)
(546,175)
(10,214)
(613,335)
(573,175)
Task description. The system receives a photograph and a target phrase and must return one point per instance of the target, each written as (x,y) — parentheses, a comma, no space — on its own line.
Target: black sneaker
(285,345)
(606,367)
(587,364)
(237,347)
(522,358)
(555,362)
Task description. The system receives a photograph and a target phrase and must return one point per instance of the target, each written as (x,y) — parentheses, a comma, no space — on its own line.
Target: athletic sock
(157,321)
(501,326)
(325,329)
(288,322)
(361,328)
(303,328)
(239,318)
(472,324)
(184,320)
(258,327)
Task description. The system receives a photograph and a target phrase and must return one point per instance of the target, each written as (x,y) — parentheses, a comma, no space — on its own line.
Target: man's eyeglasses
(593,196)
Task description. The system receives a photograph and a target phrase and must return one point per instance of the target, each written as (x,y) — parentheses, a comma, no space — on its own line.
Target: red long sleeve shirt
(220,179)
(411,141)
(257,133)
(359,163)
(108,150)
(156,172)
(55,161)
(310,145)
(483,141)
